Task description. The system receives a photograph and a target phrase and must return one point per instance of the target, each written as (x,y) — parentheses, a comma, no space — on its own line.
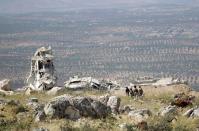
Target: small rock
(5,85)
(140,115)
(40,116)
(169,110)
(56,107)
(189,112)
(195,113)
(3,102)
(28,91)
(126,109)
(114,103)
(35,106)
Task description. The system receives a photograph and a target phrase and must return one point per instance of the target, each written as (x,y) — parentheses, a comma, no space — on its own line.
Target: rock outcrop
(74,107)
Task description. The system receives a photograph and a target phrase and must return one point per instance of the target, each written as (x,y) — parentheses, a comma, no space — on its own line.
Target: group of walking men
(135,92)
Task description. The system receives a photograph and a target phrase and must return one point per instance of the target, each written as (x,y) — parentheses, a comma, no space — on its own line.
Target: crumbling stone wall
(42,74)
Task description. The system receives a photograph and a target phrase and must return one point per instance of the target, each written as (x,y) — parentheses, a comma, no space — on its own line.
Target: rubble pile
(89,82)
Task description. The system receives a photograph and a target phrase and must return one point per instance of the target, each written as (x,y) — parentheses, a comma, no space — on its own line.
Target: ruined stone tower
(42,74)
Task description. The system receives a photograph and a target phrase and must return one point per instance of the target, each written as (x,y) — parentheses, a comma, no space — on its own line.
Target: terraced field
(119,44)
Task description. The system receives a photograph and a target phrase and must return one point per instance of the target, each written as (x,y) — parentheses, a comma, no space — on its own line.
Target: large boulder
(57,106)
(72,113)
(74,107)
(100,109)
(5,85)
(139,115)
(83,104)
(114,104)
(91,107)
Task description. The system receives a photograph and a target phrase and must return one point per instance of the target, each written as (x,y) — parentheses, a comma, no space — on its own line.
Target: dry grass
(154,99)
(185,124)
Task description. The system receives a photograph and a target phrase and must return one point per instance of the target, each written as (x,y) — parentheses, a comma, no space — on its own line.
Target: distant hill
(25,6)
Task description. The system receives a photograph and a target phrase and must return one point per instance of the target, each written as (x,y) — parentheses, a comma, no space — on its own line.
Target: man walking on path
(135,90)
(140,91)
(127,91)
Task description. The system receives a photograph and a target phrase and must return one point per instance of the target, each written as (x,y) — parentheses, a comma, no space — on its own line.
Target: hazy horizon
(28,6)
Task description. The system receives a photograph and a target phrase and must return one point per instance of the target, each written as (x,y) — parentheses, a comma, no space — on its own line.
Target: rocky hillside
(161,108)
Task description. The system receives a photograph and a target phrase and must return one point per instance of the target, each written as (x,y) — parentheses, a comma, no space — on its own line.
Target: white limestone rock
(114,104)
(42,75)
(5,85)
(140,115)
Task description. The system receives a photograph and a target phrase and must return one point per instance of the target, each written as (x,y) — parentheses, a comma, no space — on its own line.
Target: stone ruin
(77,82)
(42,74)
